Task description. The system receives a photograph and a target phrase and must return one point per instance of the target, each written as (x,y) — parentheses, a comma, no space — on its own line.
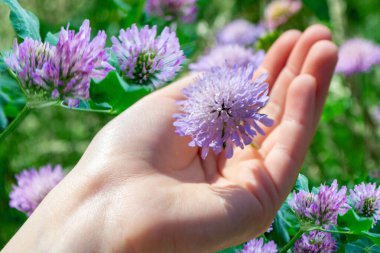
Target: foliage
(346,145)
(352,231)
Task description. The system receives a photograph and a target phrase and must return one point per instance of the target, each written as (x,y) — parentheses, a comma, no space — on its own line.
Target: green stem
(292,241)
(107,112)
(303,230)
(335,231)
(337,10)
(14,76)
(14,124)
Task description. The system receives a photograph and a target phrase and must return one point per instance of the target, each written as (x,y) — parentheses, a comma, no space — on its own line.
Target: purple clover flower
(76,61)
(329,203)
(170,10)
(279,11)
(32,187)
(240,32)
(258,246)
(221,110)
(301,203)
(146,59)
(315,242)
(366,200)
(322,208)
(61,72)
(228,56)
(357,55)
(27,61)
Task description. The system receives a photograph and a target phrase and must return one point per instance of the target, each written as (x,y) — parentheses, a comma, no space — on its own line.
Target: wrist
(67,220)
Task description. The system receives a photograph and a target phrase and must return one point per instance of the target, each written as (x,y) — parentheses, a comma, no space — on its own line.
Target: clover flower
(240,32)
(357,55)
(148,59)
(221,110)
(76,61)
(315,242)
(228,56)
(170,10)
(32,187)
(27,61)
(301,203)
(329,203)
(279,11)
(61,72)
(322,208)
(258,246)
(366,200)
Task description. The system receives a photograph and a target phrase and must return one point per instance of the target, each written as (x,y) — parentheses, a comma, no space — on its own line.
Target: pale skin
(140,188)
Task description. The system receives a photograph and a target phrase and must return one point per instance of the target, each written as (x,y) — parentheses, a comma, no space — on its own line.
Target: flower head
(329,203)
(221,110)
(279,11)
(76,61)
(258,246)
(357,55)
(228,56)
(61,72)
(145,58)
(27,61)
(366,200)
(183,10)
(32,187)
(322,208)
(315,242)
(240,32)
(301,203)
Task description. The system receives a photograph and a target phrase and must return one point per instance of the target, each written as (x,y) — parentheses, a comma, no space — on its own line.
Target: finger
(293,67)
(278,54)
(293,135)
(321,66)
(320,63)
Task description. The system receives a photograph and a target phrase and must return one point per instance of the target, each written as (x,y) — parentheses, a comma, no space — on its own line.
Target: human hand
(140,188)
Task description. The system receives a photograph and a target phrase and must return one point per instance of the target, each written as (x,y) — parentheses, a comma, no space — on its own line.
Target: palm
(233,199)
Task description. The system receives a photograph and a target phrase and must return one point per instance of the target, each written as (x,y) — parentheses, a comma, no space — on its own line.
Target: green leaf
(122,5)
(24,22)
(302,183)
(280,228)
(319,7)
(135,12)
(285,225)
(116,93)
(11,98)
(362,246)
(51,38)
(372,236)
(354,222)
(89,106)
(265,42)
(3,66)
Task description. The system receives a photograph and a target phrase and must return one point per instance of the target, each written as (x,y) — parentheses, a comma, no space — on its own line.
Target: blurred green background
(346,145)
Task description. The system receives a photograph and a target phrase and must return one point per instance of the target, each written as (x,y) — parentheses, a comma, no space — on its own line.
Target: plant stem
(14,124)
(292,241)
(335,231)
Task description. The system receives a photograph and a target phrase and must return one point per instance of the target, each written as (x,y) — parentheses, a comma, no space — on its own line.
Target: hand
(140,188)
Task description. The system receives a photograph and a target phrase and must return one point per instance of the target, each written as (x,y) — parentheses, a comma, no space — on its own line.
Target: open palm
(153,193)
